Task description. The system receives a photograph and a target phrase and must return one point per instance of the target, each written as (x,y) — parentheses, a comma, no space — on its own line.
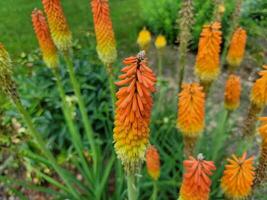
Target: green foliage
(41,97)
(161,16)
(254,19)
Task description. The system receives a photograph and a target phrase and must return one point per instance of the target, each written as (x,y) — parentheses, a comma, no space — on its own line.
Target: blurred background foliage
(37,86)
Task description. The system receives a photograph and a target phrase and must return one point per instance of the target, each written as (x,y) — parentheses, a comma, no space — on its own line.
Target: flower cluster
(237,48)
(238,177)
(106,45)
(133,108)
(144,39)
(196,182)
(46,44)
(59,28)
(191,110)
(232,92)
(160,42)
(259,91)
(208,57)
(7,85)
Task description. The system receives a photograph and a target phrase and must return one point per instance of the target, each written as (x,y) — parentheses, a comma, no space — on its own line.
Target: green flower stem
(155,191)
(132,190)
(111,84)
(220,134)
(71,126)
(85,119)
(181,71)
(160,52)
(160,77)
(105,177)
(26,117)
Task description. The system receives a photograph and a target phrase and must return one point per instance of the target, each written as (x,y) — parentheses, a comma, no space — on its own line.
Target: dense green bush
(161,17)
(40,95)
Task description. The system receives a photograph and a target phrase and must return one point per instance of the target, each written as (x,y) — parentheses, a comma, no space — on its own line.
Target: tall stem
(160,52)
(155,191)
(111,84)
(132,190)
(85,119)
(181,71)
(159,105)
(71,126)
(186,20)
(189,145)
(26,117)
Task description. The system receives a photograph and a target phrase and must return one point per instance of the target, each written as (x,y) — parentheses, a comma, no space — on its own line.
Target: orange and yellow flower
(196,182)
(191,110)
(59,28)
(106,44)
(238,177)
(153,162)
(237,48)
(144,39)
(46,44)
(207,65)
(133,109)
(259,91)
(160,42)
(232,92)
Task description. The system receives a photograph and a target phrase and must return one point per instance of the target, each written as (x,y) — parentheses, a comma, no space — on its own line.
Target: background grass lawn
(17,35)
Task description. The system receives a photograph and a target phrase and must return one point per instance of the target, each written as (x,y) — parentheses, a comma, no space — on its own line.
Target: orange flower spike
(196,182)
(106,44)
(191,110)
(232,92)
(238,177)
(259,90)
(133,108)
(237,48)
(46,44)
(59,28)
(207,66)
(153,162)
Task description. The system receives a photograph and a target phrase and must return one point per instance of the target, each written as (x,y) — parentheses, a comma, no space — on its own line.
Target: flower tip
(200,156)
(141,55)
